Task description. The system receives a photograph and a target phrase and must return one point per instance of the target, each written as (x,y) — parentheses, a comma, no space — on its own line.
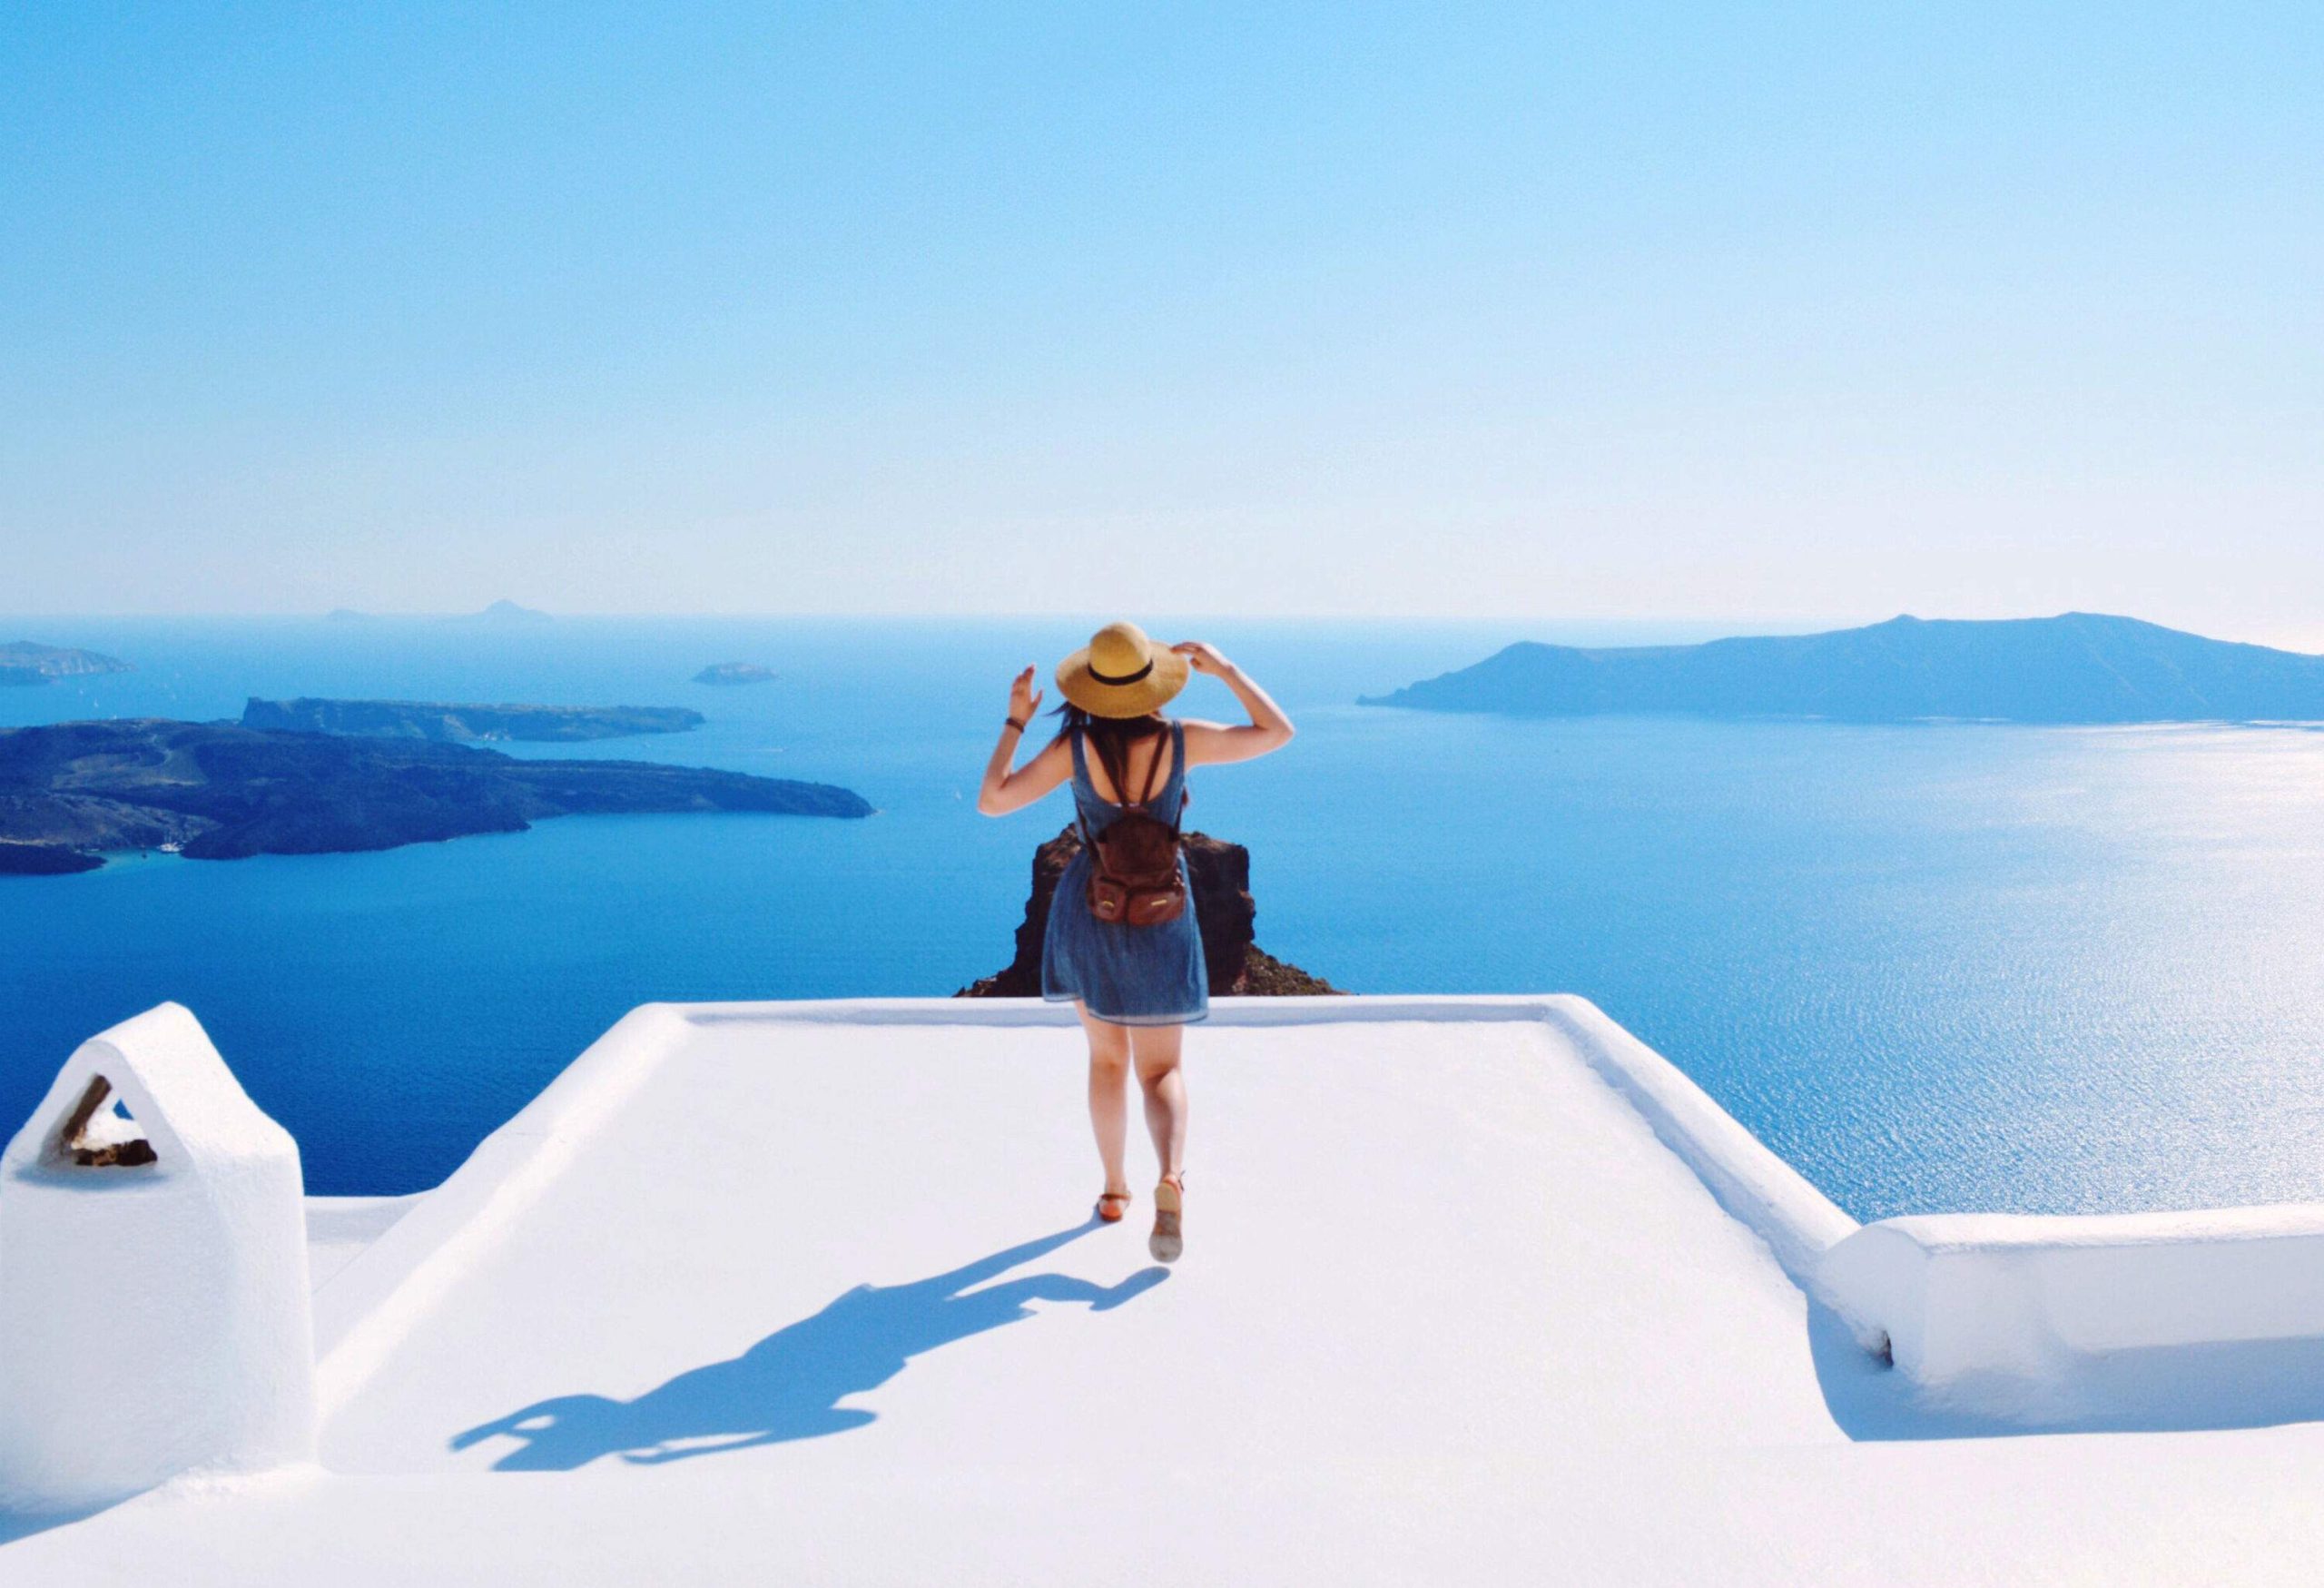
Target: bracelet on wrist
(1013,723)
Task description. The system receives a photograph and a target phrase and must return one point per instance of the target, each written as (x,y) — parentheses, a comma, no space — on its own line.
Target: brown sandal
(1112,1205)
(1168,1238)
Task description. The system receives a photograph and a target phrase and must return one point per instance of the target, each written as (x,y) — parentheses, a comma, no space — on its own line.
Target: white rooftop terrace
(1475,1290)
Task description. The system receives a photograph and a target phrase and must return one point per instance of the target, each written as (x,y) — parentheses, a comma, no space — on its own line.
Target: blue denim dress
(1130,975)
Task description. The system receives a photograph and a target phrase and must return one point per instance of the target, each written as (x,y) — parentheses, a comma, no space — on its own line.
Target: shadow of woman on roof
(789,1385)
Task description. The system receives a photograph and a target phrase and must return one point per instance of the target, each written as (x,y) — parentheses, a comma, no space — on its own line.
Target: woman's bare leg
(1108,1101)
(1156,1049)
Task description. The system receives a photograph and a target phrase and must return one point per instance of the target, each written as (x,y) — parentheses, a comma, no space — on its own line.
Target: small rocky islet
(725,673)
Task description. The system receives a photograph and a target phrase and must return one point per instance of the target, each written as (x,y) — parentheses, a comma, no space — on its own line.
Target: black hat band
(1125,678)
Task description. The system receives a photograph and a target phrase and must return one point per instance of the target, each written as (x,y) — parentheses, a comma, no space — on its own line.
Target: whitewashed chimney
(154,1301)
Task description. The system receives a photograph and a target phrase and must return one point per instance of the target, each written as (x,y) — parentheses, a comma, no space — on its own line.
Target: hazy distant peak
(506,611)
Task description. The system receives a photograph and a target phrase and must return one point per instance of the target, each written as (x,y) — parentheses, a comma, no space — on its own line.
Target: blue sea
(1939,967)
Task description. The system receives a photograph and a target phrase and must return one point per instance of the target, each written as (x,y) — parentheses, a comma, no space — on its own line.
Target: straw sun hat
(1121,673)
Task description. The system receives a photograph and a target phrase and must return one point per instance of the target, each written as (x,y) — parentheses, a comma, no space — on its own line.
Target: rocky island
(735,673)
(23,662)
(1220,873)
(217,791)
(2080,667)
(464,725)
(504,612)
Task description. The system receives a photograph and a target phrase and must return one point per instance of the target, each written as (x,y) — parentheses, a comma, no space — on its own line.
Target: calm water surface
(1940,967)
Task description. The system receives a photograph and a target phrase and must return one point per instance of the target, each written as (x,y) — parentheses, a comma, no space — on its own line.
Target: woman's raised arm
(1208,743)
(1005,789)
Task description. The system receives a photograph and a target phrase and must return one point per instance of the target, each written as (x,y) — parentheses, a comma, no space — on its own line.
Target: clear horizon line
(959,615)
(26,625)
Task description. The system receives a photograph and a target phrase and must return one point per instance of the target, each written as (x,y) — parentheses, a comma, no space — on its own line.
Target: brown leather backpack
(1135,879)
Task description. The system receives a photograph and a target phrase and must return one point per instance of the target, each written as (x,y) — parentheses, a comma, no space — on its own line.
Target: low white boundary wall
(1771,1196)
(2004,1312)
(376,1300)
(2052,1321)
(365,1309)
(1993,1311)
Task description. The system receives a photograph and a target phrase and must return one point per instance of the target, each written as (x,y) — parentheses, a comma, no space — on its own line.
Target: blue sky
(1760,313)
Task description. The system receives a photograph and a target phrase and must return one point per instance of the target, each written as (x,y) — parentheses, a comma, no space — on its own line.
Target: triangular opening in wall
(98,1135)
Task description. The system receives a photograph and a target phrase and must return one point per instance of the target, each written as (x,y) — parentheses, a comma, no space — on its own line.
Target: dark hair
(1111,738)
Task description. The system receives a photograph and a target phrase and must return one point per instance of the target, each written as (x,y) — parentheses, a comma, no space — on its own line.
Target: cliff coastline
(24,662)
(216,791)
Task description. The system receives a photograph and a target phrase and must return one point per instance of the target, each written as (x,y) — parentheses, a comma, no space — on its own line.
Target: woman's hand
(1024,700)
(1009,786)
(1005,789)
(1209,743)
(1204,658)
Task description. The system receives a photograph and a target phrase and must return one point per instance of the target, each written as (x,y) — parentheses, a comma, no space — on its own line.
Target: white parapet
(153,1296)
(1771,1198)
(2009,1313)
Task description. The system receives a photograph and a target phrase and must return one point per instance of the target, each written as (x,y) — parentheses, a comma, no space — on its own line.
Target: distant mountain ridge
(2078,667)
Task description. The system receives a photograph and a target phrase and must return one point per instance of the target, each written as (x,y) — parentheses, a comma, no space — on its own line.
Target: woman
(1134,986)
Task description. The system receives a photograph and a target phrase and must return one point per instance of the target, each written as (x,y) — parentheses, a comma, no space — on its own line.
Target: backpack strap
(1153,771)
(1081,770)
(1118,777)
(1178,771)
(1117,772)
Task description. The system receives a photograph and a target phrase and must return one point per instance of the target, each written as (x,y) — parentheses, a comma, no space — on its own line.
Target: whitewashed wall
(153,1318)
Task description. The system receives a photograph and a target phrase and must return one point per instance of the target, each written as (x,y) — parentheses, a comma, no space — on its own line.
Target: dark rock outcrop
(464,725)
(220,792)
(2080,667)
(43,859)
(1224,909)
